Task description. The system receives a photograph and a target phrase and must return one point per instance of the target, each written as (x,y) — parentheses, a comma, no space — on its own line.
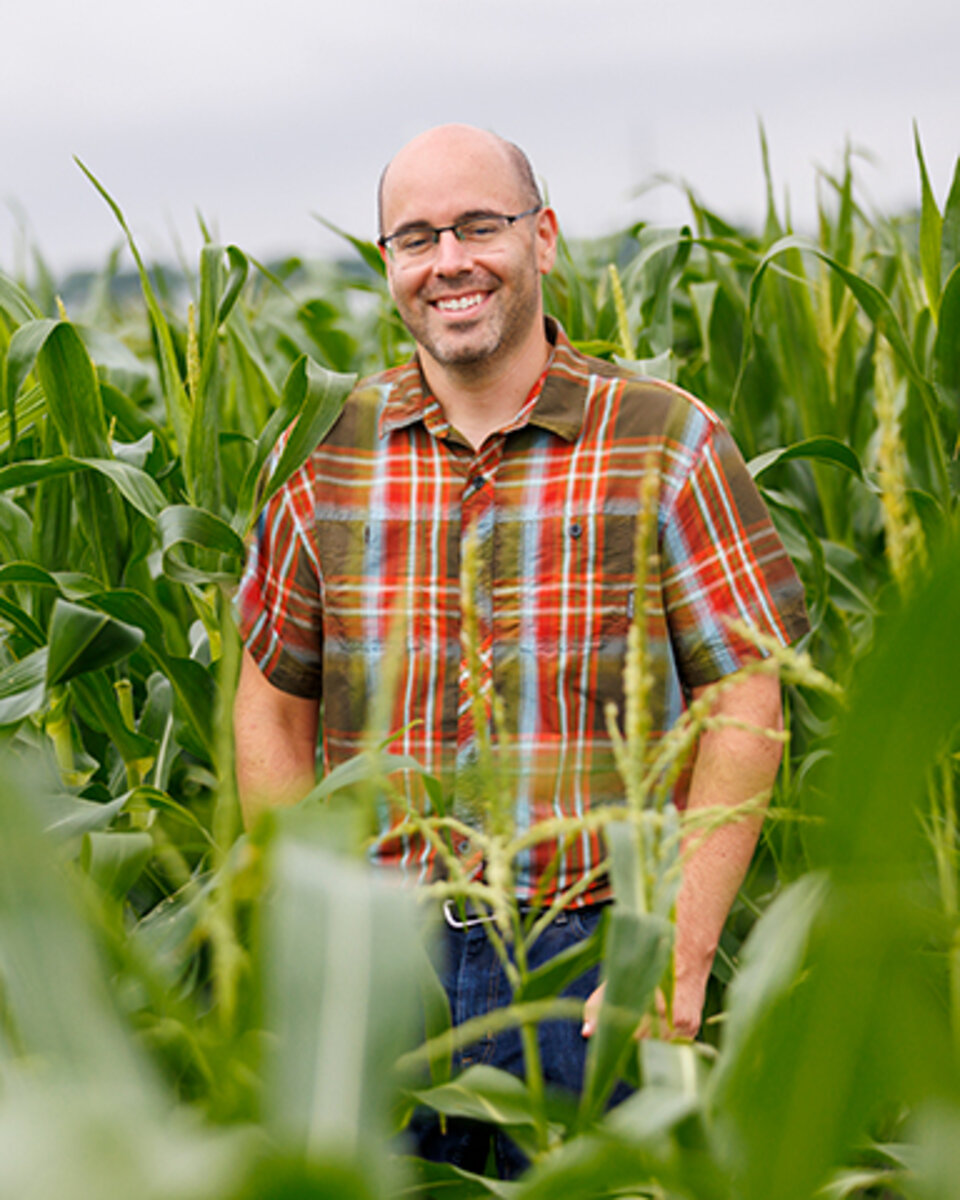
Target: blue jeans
(475,983)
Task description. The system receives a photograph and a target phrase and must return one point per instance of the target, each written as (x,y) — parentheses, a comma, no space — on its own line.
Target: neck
(479,399)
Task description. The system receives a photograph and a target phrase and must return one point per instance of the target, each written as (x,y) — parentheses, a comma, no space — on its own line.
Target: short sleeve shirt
(354,593)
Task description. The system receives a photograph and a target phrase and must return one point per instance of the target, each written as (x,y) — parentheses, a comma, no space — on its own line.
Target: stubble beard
(506,328)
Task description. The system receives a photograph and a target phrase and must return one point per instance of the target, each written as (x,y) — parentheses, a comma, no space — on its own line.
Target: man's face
(466,306)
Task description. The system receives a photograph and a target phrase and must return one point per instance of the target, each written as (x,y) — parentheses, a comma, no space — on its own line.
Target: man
(501,431)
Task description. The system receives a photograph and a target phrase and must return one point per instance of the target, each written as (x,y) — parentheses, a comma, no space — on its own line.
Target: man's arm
(731,766)
(276,739)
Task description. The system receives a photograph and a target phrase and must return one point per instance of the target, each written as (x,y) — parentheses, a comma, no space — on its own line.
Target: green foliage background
(185,1012)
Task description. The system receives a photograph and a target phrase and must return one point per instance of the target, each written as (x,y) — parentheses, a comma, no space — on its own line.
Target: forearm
(276,737)
(732,766)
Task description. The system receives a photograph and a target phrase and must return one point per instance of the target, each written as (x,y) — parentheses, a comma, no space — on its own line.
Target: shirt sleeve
(723,560)
(278,604)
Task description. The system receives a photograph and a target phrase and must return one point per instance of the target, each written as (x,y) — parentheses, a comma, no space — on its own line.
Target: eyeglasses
(419,241)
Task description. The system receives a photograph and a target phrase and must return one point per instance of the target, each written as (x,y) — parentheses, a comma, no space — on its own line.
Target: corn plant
(231,1017)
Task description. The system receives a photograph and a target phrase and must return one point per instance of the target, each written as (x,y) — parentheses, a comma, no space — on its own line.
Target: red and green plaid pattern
(360,554)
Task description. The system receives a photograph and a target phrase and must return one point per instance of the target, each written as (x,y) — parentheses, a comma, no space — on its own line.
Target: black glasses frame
(434,231)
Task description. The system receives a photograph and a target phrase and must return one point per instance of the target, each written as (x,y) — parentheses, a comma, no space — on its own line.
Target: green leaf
(136,486)
(340,997)
(181,526)
(323,394)
(368,251)
(946,349)
(819,449)
(174,393)
(636,955)
(66,816)
(16,303)
(97,703)
(239,269)
(30,405)
(703,297)
(21,620)
(16,530)
(115,861)
(483,1094)
(931,225)
(453,1183)
(114,359)
(25,345)
(361,768)
(562,969)
(950,234)
(55,988)
(831,976)
(84,640)
(771,962)
(73,401)
(23,687)
(192,682)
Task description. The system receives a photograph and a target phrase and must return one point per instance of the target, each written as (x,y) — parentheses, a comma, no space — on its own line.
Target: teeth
(460,303)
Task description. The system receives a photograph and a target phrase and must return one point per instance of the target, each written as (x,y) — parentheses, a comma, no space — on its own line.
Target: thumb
(591,1011)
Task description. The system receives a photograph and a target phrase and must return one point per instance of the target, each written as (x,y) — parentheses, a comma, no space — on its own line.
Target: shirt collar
(558,408)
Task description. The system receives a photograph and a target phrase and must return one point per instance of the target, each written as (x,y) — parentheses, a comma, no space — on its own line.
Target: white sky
(260,114)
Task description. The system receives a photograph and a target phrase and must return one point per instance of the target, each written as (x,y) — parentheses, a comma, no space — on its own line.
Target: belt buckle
(455,921)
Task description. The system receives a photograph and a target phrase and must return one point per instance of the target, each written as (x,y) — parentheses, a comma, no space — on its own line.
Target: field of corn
(188,1012)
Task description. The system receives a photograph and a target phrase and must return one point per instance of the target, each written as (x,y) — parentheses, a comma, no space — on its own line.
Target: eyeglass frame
(384,240)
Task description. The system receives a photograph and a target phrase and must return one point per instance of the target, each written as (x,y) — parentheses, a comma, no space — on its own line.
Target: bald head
(445,143)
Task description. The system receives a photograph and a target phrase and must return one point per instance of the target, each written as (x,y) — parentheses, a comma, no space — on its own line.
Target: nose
(451,254)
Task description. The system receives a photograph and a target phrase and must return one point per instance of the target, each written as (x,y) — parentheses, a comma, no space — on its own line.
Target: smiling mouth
(455,304)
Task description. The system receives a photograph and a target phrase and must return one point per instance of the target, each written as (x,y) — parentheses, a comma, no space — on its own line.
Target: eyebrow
(471,214)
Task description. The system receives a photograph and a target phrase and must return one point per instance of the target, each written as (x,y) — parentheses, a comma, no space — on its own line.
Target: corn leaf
(558,972)
(341,997)
(55,990)
(97,703)
(83,640)
(636,954)
(73,401)
(317,395)
(66,817)
(16,303)
(369,252)
(21,620)
(191,681)
(23,687)
(931,225)
(136,486)
(115,861)
(950,233)
(178,405)
(25,345)
(181,526)
(842,959)
(820,449)
(946,350)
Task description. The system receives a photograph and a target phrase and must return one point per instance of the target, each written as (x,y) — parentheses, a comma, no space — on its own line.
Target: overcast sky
(262,114)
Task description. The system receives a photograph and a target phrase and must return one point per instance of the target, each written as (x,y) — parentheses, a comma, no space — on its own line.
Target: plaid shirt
(354,579)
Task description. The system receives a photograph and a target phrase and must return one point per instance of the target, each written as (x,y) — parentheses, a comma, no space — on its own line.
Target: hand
(685,1022)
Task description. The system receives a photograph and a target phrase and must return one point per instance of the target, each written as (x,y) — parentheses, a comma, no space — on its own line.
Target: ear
(547,232)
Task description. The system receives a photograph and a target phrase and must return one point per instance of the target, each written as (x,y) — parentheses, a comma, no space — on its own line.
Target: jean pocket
(584,921)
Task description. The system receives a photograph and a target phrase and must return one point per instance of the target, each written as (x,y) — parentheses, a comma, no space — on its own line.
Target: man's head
(521,165)
(469,305)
